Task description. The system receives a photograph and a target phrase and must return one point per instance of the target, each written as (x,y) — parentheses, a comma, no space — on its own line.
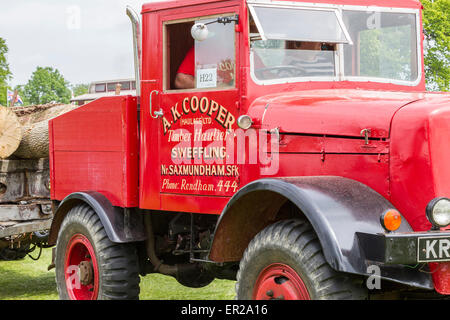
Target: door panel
(185,164)
(193,148)
(196,124)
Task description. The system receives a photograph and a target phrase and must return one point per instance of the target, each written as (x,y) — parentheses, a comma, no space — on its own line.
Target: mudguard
(122,225)
(339,209)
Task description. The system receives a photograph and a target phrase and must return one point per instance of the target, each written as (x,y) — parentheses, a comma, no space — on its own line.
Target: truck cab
(305,140)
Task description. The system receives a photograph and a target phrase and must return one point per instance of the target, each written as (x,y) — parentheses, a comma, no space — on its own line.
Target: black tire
(293,244)
(117,264)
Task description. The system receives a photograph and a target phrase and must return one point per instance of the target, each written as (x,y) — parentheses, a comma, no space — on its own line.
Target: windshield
(385,45)
(280,59)
(304,44)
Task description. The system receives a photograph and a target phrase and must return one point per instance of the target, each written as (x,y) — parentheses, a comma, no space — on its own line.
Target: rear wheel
(91,267)
(285,261)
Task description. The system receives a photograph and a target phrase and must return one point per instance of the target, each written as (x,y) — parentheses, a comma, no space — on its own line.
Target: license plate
(433,249)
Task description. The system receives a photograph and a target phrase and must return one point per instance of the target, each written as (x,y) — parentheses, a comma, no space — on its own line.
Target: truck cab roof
(163,5)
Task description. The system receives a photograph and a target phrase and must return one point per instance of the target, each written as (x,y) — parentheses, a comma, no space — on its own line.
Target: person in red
(185,78)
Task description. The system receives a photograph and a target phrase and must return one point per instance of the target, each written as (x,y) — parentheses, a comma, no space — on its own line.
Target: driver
(185,77)
(308,58)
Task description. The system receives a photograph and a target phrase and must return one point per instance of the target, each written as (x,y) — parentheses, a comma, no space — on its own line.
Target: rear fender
(122,225)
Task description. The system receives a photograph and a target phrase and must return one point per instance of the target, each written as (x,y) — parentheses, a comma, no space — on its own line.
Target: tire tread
(297,237)
(118,263)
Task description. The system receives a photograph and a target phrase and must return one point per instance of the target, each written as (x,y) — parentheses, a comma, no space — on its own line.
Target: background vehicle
(100,89)
(331,173)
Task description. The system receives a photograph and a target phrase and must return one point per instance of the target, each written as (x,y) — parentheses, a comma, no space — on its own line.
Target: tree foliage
(436,23)
(386,53)
(47,85)
(80,89)
(5,73)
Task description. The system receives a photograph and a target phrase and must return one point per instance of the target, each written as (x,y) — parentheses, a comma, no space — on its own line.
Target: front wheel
(285,261)
(88,265)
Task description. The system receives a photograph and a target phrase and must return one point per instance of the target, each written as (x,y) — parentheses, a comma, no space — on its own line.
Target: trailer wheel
(285,262)
(88,265)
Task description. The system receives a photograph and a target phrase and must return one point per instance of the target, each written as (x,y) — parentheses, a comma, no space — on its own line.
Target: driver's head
(302,45)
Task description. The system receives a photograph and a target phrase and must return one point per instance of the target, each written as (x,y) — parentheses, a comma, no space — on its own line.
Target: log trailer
(307,161)
(25,205)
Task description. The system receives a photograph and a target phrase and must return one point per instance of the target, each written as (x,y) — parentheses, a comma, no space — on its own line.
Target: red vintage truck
(307,162)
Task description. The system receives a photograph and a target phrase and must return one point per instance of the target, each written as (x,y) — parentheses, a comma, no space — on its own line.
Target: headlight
(438,212)
(244,122)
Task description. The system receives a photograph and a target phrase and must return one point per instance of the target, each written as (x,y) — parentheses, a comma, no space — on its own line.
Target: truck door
(195,123)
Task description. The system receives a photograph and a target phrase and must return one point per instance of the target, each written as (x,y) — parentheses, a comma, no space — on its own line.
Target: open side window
(178,41)
(299,24)
(213,62)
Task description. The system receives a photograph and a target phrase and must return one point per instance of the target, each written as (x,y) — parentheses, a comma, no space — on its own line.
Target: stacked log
(24,130)
(10,132)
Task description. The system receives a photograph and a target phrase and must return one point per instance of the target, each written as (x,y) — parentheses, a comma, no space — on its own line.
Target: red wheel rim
(280,282)
(81,269)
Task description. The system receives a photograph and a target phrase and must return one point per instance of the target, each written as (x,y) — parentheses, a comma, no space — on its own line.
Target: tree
(5,73)
(80,89)
(47,85)
(436,23)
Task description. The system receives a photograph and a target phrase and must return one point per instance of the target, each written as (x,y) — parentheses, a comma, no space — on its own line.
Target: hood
(331,112)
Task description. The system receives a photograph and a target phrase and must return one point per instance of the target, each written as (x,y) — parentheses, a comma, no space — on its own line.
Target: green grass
(30,280)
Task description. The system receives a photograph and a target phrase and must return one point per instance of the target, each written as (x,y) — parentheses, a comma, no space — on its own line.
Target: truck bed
(96,147)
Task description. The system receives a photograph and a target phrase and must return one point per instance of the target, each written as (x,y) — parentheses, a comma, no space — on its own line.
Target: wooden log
(24,130)
(34,121)
(10,132)
(34,143)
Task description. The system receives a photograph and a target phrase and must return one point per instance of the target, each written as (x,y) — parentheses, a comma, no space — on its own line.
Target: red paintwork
(327,111)
(441,276)
(80,249)
(320,127)
(268,286)
(378,107)
(95,148)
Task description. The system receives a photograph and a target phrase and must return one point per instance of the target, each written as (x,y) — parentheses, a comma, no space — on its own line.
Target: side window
(215,57)
(208,64)
(101,87)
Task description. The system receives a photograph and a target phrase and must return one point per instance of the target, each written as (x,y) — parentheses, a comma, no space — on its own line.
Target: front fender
(337,208)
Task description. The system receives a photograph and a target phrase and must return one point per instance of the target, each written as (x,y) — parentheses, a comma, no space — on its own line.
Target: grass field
(30,280)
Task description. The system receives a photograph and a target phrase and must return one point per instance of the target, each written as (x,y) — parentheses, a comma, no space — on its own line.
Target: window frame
(101,84)
(126,83)
(165,64)
(111,84)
